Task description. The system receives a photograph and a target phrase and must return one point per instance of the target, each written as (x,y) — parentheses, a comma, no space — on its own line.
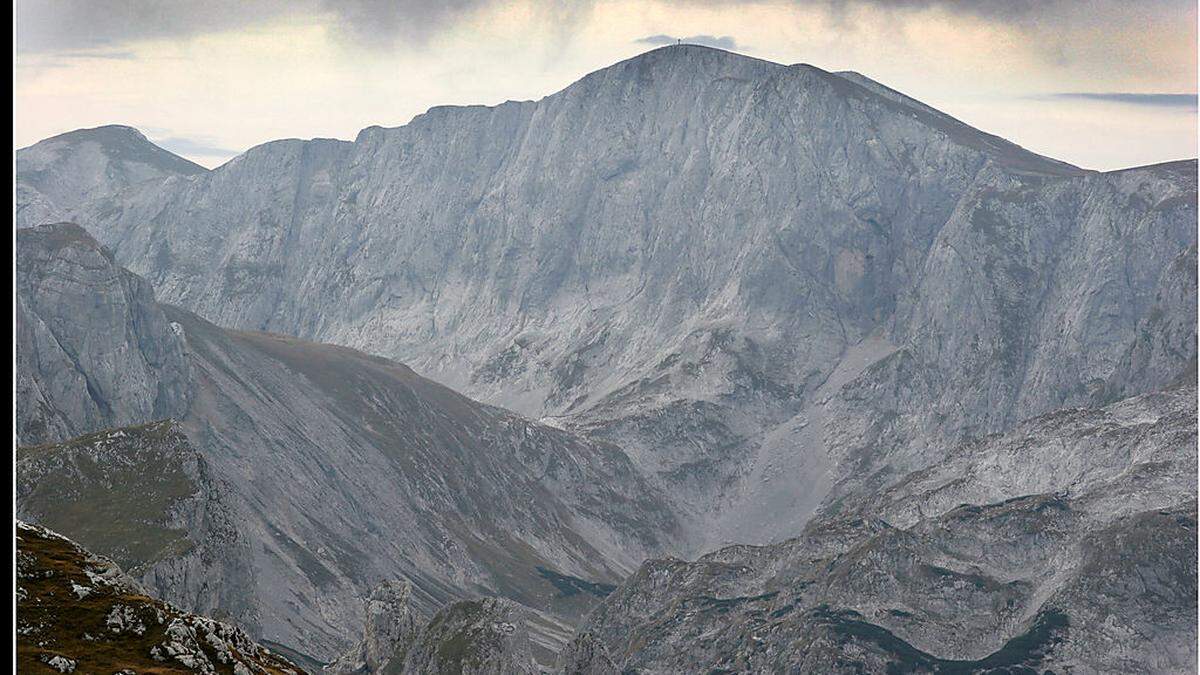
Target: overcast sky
(1101,83)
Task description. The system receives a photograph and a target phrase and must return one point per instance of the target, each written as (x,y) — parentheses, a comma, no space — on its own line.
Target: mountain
(294,477)
(63,172)
(932,385)
(77,612)
(1065,545)
(748,275)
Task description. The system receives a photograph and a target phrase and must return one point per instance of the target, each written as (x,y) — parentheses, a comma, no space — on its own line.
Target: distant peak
(124,142)
(106,132)
(685,59)
(685,50)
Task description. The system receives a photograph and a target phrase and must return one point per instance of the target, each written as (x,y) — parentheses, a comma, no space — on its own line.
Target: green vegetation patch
(112,491)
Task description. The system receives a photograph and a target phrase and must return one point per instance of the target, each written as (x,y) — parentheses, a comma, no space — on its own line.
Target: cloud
(382,22)
(720,42)
(52,26)
(1005,11)
(1184,101)
(72,25)
(110,55)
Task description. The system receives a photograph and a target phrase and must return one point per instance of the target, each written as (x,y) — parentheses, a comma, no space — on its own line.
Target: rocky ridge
(97,366)
(77,612)
(1066,544)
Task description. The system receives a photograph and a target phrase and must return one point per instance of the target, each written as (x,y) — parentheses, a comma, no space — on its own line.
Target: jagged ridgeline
(934,379)
(1067,544)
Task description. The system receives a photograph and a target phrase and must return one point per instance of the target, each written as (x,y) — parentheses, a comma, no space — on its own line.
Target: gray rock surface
(678,252)
(64,172)
(389,627)
(93,349)
(341,470)
(1066,545)
(474,637)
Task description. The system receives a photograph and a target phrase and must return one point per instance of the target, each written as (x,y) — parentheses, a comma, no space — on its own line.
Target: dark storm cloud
(75,25)
(61,25)
(58,25)
(720,42)
(1180,101)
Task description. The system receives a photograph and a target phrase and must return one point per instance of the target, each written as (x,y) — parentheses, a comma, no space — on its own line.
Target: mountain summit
(62,172)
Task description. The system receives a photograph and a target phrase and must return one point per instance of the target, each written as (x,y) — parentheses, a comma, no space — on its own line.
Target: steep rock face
(77,612)
(1166,336)
(1046,548)
(786,201)
(64,172)
(685,253)
(1076,319)
(389,628)
(93,349)
(342,469)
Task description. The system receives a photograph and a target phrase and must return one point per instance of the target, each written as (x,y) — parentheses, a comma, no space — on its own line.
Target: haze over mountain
(755,301)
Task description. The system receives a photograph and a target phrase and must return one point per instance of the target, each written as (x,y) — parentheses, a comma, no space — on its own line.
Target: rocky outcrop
(389,628)
(93,348)
(338,469)
(474,637)
(1047,548)
(77,612)
(486,635)
(144,497)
